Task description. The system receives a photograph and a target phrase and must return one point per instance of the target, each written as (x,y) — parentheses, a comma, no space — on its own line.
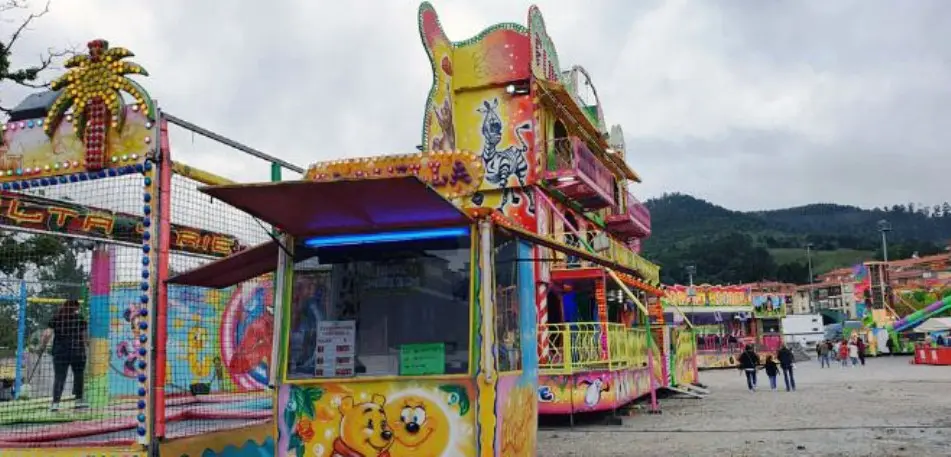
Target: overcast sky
(749,104)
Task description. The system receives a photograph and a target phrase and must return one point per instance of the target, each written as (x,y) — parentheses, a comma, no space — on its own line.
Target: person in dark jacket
(862,348)
(786,361)
(67,329)
(748,362)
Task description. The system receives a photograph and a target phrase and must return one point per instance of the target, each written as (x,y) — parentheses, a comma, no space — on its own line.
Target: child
(844,353)
(771,371)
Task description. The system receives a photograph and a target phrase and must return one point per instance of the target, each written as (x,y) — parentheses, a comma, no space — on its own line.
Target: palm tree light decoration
(93,87)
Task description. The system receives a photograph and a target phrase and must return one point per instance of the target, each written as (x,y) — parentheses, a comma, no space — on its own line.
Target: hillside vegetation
(729,246)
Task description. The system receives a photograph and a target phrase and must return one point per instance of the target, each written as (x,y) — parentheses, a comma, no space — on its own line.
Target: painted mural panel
(713,359)
(707,295)
(517,409)
(497,55)
(684,362)
(220,338)
(593,391)
(420,418)
(770,305)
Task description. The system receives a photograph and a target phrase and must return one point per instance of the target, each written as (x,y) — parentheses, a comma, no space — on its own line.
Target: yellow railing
(589,346)
(606,247)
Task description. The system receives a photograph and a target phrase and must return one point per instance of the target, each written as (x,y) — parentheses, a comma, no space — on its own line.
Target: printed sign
(422,359)
(335,352)
(58,216)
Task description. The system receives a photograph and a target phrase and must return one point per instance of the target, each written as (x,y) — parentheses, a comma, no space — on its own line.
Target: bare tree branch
(26,22)
(28,76)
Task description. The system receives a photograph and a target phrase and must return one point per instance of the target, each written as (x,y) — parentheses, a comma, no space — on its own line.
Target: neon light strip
(387,237)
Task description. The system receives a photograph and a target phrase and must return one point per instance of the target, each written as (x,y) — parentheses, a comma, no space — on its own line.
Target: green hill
(729,246)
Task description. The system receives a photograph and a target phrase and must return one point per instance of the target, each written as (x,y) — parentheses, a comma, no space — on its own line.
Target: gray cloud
(748,104)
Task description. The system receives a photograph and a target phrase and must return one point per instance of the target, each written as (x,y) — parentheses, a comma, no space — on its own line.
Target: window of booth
(396,308)
(507,334)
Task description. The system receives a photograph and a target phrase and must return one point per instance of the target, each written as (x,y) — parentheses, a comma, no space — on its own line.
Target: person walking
(748,363)
(860,343)
(67,328)
(786,362)
(853,353)
(844,353)
(772,369)
(824,350)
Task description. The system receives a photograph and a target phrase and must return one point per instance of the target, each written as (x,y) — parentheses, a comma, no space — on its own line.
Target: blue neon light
(386,237)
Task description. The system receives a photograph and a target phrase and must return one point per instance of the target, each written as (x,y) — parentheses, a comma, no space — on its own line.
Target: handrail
(637,210)
(577,347)
(613,250)
(571,153)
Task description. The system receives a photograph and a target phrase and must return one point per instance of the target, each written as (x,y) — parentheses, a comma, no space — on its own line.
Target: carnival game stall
(722,318)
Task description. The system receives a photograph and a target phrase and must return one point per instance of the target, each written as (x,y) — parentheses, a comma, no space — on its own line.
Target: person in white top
(854,353)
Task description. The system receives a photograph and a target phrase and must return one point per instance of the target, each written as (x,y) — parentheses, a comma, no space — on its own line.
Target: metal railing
(571,153)
(606,247)
(580,346)
(635,209)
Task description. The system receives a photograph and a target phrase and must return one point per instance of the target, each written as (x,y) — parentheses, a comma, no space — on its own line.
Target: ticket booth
(404,325)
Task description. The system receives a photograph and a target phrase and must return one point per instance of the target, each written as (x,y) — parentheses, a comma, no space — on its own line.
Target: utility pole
(812,305)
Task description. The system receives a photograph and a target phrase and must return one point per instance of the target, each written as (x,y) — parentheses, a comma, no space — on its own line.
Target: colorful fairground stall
(413,297)
(94,214)
(725,319)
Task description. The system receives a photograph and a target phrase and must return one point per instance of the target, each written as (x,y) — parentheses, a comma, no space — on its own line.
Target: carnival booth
(403,319)
(723,321)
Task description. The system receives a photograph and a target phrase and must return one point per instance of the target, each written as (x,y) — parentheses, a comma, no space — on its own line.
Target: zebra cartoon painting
(502,165)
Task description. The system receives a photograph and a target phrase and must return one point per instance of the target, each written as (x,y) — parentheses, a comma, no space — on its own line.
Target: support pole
(21,340)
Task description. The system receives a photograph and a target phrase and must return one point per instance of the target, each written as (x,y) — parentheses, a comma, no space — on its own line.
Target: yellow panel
(373,417)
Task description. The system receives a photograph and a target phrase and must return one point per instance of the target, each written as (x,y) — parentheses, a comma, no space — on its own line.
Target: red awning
(231,270)
(308,208)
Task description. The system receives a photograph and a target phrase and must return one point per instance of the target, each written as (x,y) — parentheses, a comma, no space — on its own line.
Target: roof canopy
(308,208)
(935,324)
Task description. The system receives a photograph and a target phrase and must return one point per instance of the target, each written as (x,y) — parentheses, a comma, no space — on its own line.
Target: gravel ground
(887,408)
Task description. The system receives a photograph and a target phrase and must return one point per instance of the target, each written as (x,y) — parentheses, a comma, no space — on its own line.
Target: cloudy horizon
(760,106)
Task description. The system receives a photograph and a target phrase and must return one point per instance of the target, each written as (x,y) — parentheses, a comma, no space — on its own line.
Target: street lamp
(812,307)
(691,270)
(884,227)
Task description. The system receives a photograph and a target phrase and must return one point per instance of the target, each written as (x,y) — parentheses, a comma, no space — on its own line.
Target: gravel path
(887,408)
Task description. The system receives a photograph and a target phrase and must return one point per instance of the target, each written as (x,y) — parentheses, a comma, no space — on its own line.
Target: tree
(92,87)
(51,268)
(32,75)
